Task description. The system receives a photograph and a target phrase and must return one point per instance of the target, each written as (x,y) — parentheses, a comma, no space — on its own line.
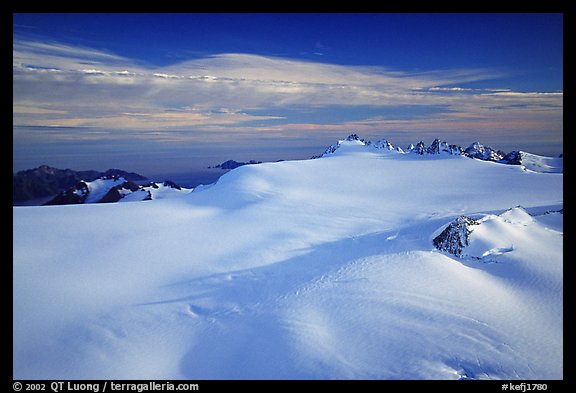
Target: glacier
(311,269)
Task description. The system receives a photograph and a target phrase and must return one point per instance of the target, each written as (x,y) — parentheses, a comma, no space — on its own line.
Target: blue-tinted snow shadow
(242,331)
(239,312)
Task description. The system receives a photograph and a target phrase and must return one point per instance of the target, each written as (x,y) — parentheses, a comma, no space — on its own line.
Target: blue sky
(160,93)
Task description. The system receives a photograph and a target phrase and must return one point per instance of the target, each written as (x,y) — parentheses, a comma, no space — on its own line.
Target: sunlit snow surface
(316,269)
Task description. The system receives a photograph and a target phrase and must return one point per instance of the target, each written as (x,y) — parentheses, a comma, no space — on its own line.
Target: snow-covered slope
(98,188)
(116,189)
(166,189)
(315,269)
(542,164)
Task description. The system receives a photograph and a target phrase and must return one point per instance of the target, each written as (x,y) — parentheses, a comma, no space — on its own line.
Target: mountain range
(71,185)
(475,150)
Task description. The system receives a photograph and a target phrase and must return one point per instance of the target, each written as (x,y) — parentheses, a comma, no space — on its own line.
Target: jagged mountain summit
(475,150)
(107,189)
(486,153)
(437,147)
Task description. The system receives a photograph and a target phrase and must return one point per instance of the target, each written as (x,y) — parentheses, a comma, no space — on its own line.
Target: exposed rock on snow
(171,184)
(487,237)
(354,137)
(119,191)
(475,150)
(455,237)
(513,158)
(46,181)
(434,148)
(486,153)
(383,144)
(350,138)
(74,195)
(114,189)
(420,148)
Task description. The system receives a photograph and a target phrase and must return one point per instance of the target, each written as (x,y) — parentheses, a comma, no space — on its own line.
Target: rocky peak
(353,137)
(332,148)
(383,144)
(475,150)
(171,184)
(455,236)
(486,153)
(420,148)
(72,196)
(118,191)
(513,158)
(434,148)
(455,150)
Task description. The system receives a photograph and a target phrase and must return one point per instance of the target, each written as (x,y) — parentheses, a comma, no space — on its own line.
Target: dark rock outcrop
(420,148)
(115,193)
(171,184)
(434,148)
(513,158)
(455,236)
(455,150)
(485,153)
(114,188)
(46,181)
(73,196)
(231,164)
(132,176)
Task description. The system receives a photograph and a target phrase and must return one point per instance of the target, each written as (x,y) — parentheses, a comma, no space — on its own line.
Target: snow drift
(314,269)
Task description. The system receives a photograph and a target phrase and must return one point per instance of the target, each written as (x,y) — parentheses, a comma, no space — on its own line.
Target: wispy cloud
(68,86)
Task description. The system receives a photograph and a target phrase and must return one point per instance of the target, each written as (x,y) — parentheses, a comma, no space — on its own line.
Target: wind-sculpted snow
(314,269)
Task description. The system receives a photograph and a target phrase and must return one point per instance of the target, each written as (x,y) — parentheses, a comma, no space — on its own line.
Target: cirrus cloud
(55,84)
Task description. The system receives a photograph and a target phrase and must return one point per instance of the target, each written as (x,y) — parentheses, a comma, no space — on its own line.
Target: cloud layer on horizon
(60,85)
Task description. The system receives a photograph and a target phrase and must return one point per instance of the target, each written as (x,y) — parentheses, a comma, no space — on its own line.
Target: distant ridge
(475,150)
(231,164)
(46,181)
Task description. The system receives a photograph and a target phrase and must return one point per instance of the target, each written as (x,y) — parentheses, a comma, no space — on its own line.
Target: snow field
(315,269)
